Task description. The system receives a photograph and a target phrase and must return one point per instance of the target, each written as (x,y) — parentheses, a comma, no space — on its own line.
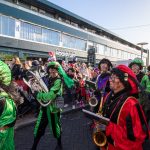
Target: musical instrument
(36,83)
(93,102)
(91,84)
(99,136)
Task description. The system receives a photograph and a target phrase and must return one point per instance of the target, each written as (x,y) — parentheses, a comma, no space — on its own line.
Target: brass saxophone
(99,136)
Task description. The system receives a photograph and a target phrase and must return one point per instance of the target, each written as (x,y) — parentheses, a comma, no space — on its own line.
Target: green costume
(146,83)
(7,111)
(50,115)
(55,90)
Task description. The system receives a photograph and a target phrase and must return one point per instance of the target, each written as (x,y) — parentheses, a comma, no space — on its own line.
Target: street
(76,135)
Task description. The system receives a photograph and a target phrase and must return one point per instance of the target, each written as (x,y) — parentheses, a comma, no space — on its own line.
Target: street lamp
(142,44)
(147,61)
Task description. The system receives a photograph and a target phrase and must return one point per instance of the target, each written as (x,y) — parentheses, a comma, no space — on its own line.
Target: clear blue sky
(114,15)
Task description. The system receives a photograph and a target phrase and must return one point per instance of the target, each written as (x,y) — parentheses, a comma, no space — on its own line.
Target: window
(27,31)
(100,49)
(107,51)
(7,26)
(125,55)
(122,54)
(128,55)
(34,8)
(113,52)
(119,53)
(31,32)
(72,42)
(50,37)
(37,33)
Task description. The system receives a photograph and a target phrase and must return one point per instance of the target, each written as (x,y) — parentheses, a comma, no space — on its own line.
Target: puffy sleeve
(51,95)
(143,82)
(128,133)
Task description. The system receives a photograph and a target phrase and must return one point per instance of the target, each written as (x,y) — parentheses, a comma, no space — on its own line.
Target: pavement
(30,117)
(76,134)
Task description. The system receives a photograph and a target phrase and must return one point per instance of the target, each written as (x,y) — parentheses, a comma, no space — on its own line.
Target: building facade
(33,28)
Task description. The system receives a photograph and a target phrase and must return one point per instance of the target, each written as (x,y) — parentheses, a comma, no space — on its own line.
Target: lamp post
(142,44)
(147,61)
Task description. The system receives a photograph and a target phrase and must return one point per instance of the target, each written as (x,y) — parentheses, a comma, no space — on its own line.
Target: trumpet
(36,83)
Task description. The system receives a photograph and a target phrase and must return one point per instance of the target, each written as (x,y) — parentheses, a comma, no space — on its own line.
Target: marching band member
(136,66)
(127,129)
(9,99)
(102,83)
(50,115)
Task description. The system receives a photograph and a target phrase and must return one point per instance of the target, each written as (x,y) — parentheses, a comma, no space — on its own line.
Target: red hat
(130,77)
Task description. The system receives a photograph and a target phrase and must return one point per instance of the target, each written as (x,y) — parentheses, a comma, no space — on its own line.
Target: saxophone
(99,136)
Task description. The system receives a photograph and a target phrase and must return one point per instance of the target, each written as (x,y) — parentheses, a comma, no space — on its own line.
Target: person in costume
(9,99)
(136,66)
(102,83)
(145,101)
(127,129)
(50,115)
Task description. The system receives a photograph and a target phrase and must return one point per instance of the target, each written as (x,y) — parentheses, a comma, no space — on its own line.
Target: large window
(51,37)
(31,32)
(100,49)
(119,53)
(113,52)
(72,42)
(7,26)
(107,51)
(36,33)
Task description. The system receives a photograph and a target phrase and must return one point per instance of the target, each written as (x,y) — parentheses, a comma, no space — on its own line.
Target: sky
(129,19)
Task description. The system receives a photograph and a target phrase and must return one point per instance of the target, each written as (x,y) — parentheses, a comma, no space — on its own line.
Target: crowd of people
(79,72)
(122,92)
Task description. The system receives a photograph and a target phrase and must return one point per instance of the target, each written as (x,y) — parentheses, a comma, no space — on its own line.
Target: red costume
(127,129)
